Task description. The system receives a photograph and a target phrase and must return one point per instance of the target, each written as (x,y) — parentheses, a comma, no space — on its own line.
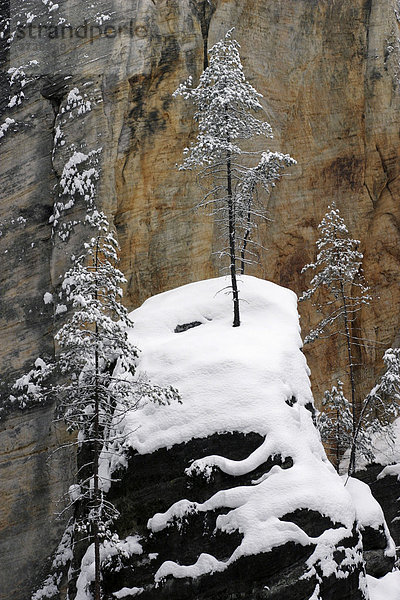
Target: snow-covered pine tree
(338,289)
(97,364)
(92,341)
(225,102)
(384,398)
(95,384)
(381,406)
(335,424)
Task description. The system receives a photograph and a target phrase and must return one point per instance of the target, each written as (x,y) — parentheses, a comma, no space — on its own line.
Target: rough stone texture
(328,72)
(34,474)
(375,542)
(333,103)
(153,482)
(387,492)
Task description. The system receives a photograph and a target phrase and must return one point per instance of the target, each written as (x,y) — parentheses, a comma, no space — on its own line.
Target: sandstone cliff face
(34,473)
(328,72)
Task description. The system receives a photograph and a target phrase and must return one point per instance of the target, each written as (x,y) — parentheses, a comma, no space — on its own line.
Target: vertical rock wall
(328,72)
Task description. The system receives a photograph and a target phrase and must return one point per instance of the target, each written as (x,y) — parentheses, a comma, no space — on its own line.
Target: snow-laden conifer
(338,289)
(381,406)
(385,396)
(96,382)
(225,104)
(335,424)
(338,272)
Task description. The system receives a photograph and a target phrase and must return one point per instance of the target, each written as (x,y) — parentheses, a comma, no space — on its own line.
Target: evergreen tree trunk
(232,249)
(338,448)
(96,541)
(96,491)
(96,452)
(355,435)
(245,241)
(351,373)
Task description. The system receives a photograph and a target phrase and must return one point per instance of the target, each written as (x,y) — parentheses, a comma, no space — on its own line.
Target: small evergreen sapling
(225,102)
(338,276)
(384,398)
(382,405)
(335,424)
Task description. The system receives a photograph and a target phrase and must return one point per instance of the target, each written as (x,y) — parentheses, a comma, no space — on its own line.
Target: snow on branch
(78,181)
(18,80)
(95,388)
(225,101)
(338,272)
(225,106)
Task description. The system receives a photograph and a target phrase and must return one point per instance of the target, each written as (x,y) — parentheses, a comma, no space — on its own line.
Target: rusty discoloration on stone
(331,95)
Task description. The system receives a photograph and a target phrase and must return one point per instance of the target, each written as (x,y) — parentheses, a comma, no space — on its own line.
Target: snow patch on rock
(239,380)
(368,511)
(386,588)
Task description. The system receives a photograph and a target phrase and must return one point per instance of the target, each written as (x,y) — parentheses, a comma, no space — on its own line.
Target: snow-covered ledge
(249,379)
